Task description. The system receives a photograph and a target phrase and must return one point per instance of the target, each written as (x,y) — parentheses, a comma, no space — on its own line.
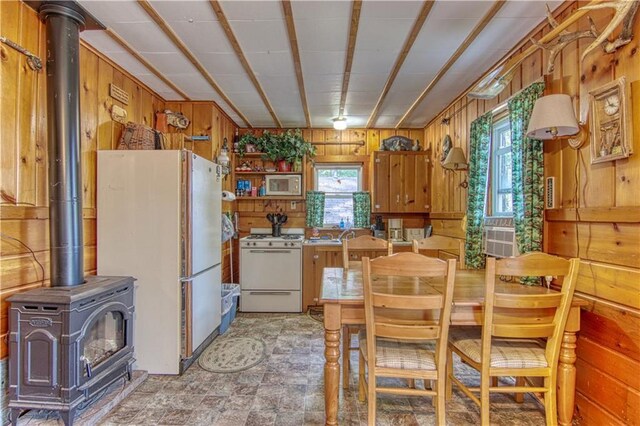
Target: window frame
(500,123)
(338,195)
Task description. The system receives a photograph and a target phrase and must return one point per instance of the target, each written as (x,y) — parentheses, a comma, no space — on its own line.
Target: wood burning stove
(71,341)
(67,344)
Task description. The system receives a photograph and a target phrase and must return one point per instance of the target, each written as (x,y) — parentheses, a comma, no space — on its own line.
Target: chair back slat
(534,264)
(385,300)
(533,301)
(407,332)
(406,264)
(524,331)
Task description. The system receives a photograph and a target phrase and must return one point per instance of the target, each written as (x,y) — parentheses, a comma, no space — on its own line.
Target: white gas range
(271,271)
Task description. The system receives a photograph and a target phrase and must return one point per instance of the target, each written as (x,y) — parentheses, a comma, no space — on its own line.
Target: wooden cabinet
(401,182)
(314,260)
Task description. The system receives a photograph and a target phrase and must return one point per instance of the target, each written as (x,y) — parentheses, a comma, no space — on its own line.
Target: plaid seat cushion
(505,353)
(402,355)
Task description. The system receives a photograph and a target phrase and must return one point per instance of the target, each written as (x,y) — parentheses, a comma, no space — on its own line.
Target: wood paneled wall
(604,232)
(24,213)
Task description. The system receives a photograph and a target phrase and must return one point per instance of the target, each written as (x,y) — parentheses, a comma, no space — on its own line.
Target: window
(338,182)
(501,164)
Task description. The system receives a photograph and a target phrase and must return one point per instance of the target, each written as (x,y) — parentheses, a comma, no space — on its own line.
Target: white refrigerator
(158,220)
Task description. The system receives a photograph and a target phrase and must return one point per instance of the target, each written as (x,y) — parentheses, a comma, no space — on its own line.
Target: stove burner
(291,237)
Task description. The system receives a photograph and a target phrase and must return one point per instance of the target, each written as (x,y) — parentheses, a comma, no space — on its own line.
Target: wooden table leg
(567,369)
(332,320)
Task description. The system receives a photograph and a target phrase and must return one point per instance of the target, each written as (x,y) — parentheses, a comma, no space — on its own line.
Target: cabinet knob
(316,257)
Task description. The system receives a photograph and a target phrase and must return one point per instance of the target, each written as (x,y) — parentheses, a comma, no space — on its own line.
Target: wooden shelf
(249,154)
(273,197)
(268,173)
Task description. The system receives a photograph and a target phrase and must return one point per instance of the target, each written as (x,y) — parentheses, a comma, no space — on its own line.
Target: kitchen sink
(325,241)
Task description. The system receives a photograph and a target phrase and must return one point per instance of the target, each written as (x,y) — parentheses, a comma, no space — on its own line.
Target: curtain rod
(502,105)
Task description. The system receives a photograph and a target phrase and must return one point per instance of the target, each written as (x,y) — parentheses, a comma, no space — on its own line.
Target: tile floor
(287,389)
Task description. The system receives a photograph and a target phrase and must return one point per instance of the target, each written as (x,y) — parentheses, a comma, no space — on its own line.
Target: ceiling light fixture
(340,123)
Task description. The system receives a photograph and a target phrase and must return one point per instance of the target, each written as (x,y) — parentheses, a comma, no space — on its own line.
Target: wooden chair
(512,340)
(406,333)
(440,242)
(365,244)
(371,247)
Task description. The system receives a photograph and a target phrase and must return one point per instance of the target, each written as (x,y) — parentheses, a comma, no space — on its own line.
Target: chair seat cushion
(400,355)
(505,353)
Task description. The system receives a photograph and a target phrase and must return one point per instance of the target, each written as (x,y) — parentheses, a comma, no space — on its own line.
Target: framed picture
(610,122)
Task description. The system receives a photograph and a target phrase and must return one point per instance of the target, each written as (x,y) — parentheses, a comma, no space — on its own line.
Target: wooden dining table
(342,297)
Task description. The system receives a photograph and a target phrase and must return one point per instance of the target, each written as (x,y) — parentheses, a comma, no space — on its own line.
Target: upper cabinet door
(396,183)
(416,179)
(380,183)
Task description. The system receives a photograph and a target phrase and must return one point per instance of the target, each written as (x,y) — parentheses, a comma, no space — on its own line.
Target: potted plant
(286,149)
(247,143)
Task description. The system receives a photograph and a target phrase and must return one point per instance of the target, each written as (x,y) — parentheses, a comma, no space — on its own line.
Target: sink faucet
(348,231)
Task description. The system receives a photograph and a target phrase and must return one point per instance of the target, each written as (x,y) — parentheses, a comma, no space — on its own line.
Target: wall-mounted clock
(610,122)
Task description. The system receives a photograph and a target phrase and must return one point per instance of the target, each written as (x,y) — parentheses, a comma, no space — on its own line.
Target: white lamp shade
(553,117)
(340,123)
(455,160)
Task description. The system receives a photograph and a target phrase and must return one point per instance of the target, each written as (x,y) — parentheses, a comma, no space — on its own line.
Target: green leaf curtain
(527,171)
(315,209)
(479,144)
(361,209)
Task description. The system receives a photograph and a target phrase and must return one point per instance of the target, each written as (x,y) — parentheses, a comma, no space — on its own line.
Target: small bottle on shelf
(341,225)
(263,188)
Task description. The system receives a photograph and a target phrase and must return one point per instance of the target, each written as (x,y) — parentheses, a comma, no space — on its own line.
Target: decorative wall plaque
(118,94)
(610,122)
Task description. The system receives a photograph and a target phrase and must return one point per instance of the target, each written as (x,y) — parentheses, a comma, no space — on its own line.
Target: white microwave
(283,185)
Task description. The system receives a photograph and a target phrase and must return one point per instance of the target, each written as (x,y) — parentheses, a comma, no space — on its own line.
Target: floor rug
(232,354)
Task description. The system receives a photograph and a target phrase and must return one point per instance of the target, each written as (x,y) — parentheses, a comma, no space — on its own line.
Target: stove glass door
(105,338)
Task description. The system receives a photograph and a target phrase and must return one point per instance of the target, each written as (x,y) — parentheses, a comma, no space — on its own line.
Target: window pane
(504,166)
(337,180)
(505,138)
(505,203)
(337,208)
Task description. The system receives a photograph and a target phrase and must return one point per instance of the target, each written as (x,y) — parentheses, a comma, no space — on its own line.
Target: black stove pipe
(63,123)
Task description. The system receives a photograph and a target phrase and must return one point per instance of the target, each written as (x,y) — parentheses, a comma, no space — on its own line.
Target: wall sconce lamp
(456,161)
(553,117)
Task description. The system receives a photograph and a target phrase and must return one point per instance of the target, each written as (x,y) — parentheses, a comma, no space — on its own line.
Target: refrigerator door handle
(187,291)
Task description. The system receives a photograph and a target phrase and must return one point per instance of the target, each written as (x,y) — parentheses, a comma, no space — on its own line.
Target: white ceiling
(322,30)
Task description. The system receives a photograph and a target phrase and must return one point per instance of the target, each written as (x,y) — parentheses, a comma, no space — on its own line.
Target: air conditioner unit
(499,241)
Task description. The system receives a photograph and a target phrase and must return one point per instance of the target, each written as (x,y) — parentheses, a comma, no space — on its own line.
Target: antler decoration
(626,34)
(556,45)
(625,11)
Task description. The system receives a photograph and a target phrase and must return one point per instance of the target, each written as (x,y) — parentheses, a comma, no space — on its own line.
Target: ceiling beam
(295,53)
(497,5)
(417,26)
(224,22)
(356,6)
(166,28)
(122,42)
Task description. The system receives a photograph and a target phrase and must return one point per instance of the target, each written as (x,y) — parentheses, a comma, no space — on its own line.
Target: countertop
(336,243)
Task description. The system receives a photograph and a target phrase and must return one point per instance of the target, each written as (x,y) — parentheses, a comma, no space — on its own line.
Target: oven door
(271,269)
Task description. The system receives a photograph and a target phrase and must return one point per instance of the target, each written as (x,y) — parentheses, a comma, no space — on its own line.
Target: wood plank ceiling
(301,63)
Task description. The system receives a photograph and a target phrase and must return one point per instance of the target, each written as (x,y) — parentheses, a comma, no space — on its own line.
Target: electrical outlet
(293,205)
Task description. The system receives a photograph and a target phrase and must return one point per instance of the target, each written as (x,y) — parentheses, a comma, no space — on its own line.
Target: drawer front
(270,301)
